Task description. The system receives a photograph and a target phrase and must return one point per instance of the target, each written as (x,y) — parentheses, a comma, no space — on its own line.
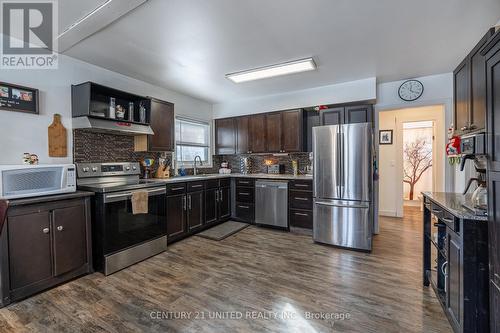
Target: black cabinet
(217,200)
(350,114)
(300,203)
(469,88)
(494,307)
(491,52)
(176,216)
(224,203)
(195,210)
(211,205)
(163,125)
(44,244)
(454,282)
(245,200)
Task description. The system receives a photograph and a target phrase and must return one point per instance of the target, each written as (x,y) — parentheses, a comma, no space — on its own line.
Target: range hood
(111,126)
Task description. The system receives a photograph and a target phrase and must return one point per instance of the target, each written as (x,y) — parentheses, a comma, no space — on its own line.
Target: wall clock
(411,90)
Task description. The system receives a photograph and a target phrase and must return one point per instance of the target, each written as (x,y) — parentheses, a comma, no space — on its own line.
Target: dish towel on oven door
(140,202)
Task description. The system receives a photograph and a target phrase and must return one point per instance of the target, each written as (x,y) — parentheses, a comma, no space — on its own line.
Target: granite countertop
(235,175)
(48,198)
(452,202)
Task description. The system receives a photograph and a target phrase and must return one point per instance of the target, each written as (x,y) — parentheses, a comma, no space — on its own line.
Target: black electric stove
(121,236)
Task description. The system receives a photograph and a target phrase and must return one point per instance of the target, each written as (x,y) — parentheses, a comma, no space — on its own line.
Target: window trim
(207,165)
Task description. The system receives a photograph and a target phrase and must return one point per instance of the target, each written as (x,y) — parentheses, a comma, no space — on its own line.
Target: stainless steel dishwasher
(271,203)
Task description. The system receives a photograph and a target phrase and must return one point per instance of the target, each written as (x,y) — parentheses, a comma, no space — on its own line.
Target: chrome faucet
(195,171)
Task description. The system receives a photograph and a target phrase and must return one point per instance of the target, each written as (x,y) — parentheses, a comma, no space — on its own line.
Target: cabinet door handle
(216,196)
(184,202)
(301,214)
(443,268)
(177,188)
(45,230)
(447,220)
(436,211)
(189,202)
(301,199)
(60,228)
(220,195)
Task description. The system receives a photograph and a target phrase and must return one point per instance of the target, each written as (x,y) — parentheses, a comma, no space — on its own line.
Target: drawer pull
(301,199)
(243,182)
(60,228)
(436,211)
(447,220)
(301,185)
(195,186)
(301,214)
(177,188)
(244,207)
(243,193)
(45,230)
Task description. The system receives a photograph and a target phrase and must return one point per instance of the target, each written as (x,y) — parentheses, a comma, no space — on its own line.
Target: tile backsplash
(92,147)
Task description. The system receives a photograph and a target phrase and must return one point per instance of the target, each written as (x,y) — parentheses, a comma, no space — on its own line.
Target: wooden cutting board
(58,140)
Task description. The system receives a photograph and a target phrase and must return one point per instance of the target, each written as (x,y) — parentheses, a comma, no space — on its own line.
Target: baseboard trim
(390,213)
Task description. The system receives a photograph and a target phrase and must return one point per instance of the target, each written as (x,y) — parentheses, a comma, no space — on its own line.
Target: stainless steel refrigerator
(343,210)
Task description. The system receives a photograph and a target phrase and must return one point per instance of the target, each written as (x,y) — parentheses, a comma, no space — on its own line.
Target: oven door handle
(126,195)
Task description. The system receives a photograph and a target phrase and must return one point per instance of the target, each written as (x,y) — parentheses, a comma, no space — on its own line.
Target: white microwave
(21,181)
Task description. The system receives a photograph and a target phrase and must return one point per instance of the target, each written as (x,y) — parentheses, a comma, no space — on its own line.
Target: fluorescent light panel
(297,66)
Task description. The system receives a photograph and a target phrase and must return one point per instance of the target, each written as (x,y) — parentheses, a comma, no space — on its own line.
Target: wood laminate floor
(275,281)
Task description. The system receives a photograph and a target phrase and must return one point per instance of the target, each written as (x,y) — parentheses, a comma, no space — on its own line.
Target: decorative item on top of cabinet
(58,141)
(469,87)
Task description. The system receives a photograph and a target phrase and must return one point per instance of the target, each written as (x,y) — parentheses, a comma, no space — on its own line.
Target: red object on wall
(453,146)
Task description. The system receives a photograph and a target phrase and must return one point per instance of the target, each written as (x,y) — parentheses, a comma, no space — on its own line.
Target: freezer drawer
(342,223)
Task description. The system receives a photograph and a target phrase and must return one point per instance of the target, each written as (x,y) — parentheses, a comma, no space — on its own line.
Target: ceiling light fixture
(285,68)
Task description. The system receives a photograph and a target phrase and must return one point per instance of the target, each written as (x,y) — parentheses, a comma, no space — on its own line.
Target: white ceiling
(188,46)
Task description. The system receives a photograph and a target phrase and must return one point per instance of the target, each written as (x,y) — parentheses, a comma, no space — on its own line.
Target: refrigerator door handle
(339,165)
(324,203)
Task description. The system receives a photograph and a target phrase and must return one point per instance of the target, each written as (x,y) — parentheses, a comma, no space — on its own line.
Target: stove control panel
(88,170)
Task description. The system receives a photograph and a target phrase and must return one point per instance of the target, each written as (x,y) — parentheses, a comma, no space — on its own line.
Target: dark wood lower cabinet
(494,307)
(44,244)
(224,203)
(211,205)
(176,217)
(29,249)
(454,285)
(195,210)
(300,203)
(244,200)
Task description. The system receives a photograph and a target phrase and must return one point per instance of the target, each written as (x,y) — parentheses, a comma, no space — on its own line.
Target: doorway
(418,158)
(426,123)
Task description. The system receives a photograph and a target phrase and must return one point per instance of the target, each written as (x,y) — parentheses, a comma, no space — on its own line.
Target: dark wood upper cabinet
(350,114)
(273,132)
(292,133)
(163,125)
(242,143)
(358,114)
(461,97)
(333,116)
(469,88)
(257,133)
(225,136)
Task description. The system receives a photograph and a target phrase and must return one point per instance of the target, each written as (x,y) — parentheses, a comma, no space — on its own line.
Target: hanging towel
(140,202)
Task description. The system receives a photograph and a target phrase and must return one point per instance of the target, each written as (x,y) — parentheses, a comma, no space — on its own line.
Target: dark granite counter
(453,203)
(49,198)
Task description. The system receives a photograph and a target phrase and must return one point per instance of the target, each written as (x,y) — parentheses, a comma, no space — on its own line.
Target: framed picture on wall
(18,98)
(385,137)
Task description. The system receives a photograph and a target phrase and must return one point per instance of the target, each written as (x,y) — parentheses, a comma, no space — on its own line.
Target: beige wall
(390,156)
